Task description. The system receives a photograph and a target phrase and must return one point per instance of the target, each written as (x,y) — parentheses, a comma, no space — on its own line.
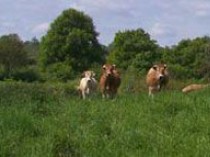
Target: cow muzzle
(88,80)
(161,77)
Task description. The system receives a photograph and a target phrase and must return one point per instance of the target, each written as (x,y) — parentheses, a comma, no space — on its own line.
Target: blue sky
(167,21)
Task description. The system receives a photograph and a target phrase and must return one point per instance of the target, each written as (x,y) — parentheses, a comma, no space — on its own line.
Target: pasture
(45,120)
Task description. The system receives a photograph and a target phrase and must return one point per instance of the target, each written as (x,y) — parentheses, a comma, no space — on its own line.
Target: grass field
(51,121)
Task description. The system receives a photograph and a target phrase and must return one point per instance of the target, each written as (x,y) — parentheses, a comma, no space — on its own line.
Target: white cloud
(198,8)
(7,24)
(158,29)
(202,9)
(165,34)
(41,28)
(101,5)
(7,28)
(166,21)
(201,13)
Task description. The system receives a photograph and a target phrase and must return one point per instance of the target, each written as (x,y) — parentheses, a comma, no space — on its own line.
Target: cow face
(160,71)
(108,70)
(88,74)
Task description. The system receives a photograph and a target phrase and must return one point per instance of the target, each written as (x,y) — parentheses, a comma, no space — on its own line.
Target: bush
(11,91)
(27,75)
(132,81)
(59,72)
(179,72)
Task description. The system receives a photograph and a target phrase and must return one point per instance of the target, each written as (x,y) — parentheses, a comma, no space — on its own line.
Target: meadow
(49,120)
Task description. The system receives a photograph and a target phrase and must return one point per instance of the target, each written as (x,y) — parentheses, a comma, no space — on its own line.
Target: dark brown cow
(110,81)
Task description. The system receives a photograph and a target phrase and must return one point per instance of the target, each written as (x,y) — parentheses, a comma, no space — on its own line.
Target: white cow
(88,84)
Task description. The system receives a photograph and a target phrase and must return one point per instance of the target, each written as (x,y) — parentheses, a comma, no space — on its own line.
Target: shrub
(27,75)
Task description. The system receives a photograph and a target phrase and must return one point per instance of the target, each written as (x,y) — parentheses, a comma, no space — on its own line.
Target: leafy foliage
(71,40)
(131,47)
(12,54)
(32,49)
(71,46)
(190,58)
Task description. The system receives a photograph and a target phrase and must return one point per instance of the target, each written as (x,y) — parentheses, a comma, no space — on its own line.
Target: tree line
(71,46)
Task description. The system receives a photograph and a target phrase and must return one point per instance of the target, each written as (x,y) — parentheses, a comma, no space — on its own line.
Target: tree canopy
(189,58)
(32,49)
(71,41)
(133,47)
(71,46)
(12,54)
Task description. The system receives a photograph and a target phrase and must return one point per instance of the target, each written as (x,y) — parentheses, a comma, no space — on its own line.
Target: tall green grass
(43,120)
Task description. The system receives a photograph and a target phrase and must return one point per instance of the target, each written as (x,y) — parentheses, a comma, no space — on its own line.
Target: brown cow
(194,87)
(110,81)
(156,78)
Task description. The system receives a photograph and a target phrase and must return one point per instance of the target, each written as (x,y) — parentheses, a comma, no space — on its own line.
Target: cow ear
(104,67)
(93,74)
(83,74)
(165,66)
(155,67)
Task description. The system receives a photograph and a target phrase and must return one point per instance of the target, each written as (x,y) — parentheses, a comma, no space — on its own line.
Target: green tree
(189,58)
(12,54)
(201,63)
(133,47)
(72,41)
(32,49)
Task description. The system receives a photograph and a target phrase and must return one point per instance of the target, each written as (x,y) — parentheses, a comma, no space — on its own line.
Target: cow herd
(110,80)
(109,83)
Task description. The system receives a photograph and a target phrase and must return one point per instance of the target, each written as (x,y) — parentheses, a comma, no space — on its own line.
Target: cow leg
(83,94)
(114,93)
(88,91)
(151,91)
(103,94)
(158,87)
(111,94)
(79,92)
(107,94)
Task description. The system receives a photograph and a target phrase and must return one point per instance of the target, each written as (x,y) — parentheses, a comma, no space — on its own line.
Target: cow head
(108,69)
(160,71)
(88,74)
